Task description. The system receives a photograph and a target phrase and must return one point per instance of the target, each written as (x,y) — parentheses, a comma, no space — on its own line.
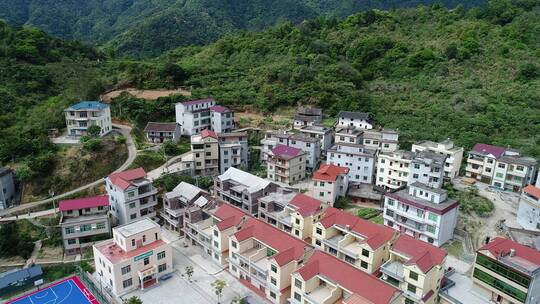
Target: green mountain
(432,73)
(149,27)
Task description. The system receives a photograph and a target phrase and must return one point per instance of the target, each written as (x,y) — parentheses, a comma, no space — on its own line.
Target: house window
(69,230)
(127,283)
(233,244)
(297,221)
(146,261)
(133,216)
(297,283)
(297,297)
(349,259)
(101,225)
(131,193)
(161,255)
(409,301)
(71,241)
(273,294)
(162,267)
(273,268)
(364,264)
(319,231)
(365,252)
(501,165)
(133,242)
(216,233)
(318,242)
(413,275)
(430,229)
(433,217)
(126,269)
(273,281)
(411,288)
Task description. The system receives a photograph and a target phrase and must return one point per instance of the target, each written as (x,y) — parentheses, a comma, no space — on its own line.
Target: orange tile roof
(208,133)
(229,216)
(502,246)
(288,247)
(420,253)
(532,191)
(374,235)
(366,286)
(123,179)
(329,172)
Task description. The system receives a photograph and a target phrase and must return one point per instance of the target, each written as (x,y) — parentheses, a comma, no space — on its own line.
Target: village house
(359,159)
(131,195)
(205,150)
(357,120)
(80,116)
(158,132)
(265,257)
(415,268)
(423,212)
(500,167)
(330,182)
(454,155)
(175,203)
(133,259)
(210,227)
(286,165)
(233,151)
(507,272)
(361,243)
(310,145)
(393,169)
(427,168)
(307,117)
(84,221)
(196,115)
(383,140)
(326,280)
(322,133)
(242,189)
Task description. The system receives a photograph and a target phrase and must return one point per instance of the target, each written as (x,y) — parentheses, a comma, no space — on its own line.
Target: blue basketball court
(68,291)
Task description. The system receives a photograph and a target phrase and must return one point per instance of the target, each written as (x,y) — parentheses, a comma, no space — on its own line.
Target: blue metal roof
(12,276)
(89,105)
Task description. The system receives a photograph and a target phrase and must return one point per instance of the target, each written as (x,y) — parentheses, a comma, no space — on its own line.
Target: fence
(103,295)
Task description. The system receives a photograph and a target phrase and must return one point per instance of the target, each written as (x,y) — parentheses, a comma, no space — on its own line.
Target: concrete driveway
(179,290)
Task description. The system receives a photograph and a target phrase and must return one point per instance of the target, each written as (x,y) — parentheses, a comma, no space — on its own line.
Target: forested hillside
(430,72)
(39,77)
(149,27)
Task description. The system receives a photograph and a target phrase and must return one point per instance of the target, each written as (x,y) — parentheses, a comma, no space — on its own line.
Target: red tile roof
(282,150)
(123,179)
(288,247)
(306,205)
(532,191)
(374,235)
(208,133)
(489,149)
(420,253)
(502,246)
(329,172)
(354,280)
(229,216)
(81,203)
(160,127)
(220,109)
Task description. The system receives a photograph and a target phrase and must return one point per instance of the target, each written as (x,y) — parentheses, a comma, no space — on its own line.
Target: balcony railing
(393,269)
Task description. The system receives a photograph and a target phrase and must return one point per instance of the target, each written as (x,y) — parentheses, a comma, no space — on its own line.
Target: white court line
(90,301)
(70,283)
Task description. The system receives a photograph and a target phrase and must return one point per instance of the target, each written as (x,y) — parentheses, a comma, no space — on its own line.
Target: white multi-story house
(131,195)
(357,120)
(359,160)
(422,212)
(205,151)
(330,182)
(84,221)
(84,114)
(348,135)
(306,117)
(393,169)
(383,140)
(286,165)
(528,215)
(324,134)
(221,119)
(271,140)
(7,188)
(500,167)
(158,132)
(233,151)
(135,258)
(197,115)
(427,168)
(454,155)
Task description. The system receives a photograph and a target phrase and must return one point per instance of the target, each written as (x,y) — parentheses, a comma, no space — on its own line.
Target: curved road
(132,153)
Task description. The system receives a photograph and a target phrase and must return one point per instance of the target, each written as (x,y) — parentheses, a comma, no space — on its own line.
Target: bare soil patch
(145,94)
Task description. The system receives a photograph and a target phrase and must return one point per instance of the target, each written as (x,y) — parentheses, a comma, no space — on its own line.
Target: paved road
(132,154)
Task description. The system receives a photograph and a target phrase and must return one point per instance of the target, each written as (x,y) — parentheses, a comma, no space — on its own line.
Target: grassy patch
(377,219)
(455,248)
(56,272)
(470,202)
(368,213)
(149,160)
